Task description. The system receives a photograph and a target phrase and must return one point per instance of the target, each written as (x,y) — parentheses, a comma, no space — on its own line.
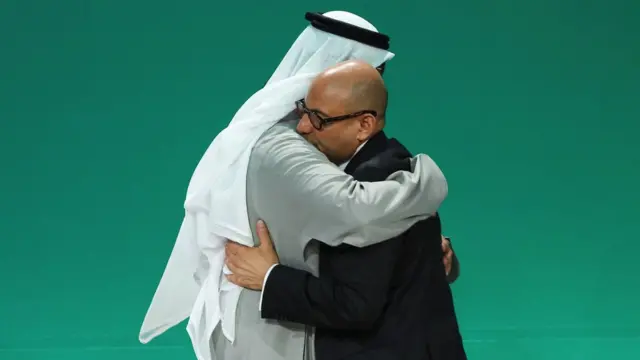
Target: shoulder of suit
(379,167)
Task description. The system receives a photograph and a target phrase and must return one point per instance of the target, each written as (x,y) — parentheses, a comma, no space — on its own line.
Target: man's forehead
(327,104)
(315,101)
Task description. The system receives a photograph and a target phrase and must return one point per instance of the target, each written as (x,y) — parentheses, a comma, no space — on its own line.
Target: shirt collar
(344,164)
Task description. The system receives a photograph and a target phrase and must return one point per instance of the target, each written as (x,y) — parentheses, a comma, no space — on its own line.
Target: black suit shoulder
(378,167)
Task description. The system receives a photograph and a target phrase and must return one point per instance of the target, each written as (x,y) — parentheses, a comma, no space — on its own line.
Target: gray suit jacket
(302,196)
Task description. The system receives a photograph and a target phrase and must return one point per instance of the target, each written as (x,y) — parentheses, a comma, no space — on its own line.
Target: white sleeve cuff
(264,284)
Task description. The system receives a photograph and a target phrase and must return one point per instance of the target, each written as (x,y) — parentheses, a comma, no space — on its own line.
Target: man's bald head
(345,106)
(357,84)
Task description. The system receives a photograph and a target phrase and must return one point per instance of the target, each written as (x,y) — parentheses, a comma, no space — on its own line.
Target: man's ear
(367,127)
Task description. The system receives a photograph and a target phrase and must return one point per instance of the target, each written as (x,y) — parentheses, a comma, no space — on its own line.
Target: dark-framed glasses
(318,121)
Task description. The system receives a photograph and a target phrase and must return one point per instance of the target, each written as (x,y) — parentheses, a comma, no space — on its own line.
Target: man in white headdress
(302,197)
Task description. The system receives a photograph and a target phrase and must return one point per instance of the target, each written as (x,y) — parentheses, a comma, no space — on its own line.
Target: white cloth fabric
(193,284)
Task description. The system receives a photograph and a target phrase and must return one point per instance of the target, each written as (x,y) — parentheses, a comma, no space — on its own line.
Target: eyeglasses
(319,122)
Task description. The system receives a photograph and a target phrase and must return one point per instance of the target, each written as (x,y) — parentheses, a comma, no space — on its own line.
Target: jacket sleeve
(304,180)
(353,300)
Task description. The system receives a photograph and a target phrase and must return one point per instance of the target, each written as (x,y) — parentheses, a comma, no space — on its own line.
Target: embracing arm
(302,178)
(351,292)
(353,300)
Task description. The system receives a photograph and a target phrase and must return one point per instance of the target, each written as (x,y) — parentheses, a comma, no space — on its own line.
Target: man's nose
(304,125)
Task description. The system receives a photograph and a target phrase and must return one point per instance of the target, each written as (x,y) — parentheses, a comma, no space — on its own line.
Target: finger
(237,251)
(446,245)
(234,263)
(234,246)
(263,235)
(242,281)
(448,255)
(231,265)
(234,279)
(447,264)
(229,247)
(230,253)
(236,268)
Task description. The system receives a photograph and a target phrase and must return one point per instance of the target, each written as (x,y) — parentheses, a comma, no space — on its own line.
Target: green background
(530,107)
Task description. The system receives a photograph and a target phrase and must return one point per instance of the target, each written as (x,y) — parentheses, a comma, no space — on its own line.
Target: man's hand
(249,265)
(447,259)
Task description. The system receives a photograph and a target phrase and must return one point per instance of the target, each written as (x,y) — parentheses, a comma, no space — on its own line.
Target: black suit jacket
(387,301)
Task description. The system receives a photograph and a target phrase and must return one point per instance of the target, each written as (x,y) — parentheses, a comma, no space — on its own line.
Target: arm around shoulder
(334,207)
